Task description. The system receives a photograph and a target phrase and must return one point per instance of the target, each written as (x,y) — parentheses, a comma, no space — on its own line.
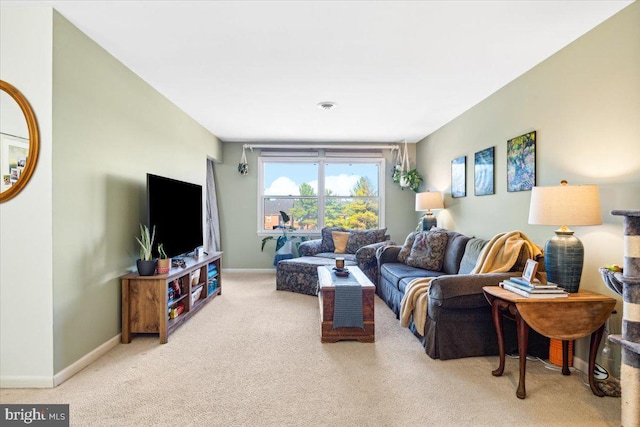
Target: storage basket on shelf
(195,294)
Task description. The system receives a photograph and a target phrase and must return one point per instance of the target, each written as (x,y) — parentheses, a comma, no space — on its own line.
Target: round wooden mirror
(19,141)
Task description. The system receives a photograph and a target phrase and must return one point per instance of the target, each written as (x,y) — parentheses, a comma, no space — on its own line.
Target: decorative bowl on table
(341,272)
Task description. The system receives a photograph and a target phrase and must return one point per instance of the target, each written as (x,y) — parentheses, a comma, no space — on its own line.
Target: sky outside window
(283,179)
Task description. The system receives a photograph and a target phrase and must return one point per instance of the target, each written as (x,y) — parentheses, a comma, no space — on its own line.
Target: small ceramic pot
(146,268)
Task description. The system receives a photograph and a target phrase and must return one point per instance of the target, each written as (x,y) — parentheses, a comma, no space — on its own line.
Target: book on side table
(533,284)
(533,290)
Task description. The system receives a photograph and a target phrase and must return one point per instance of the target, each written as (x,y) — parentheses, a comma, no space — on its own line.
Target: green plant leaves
(146,242)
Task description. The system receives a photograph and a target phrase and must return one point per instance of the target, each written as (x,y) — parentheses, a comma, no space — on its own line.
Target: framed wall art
(483,172)
(521,162)
(459,177)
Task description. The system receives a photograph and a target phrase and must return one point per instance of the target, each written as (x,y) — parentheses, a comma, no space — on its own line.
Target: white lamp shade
(429,200)
(565,205)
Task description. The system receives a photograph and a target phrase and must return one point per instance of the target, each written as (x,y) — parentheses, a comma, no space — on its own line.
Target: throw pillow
(471,254)
(406,247)
(340,239)
(327,239)
(428,250)
(360,238)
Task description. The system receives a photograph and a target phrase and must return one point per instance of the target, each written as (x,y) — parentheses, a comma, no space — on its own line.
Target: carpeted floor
(253,357)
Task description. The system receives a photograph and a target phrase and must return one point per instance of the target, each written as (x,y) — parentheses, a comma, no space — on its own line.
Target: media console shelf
(159,304)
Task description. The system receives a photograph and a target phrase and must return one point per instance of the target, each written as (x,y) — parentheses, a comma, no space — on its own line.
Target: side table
(580,314)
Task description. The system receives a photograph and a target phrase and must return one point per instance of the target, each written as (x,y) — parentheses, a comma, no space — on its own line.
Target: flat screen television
(175,209)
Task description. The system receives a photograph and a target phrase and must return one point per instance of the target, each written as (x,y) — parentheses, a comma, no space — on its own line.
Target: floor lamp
(425,202)
(561,205)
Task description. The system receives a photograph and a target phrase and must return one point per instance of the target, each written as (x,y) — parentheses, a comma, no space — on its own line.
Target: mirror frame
(34,141)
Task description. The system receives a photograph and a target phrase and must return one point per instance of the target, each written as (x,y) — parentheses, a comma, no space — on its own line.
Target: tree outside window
(349,197)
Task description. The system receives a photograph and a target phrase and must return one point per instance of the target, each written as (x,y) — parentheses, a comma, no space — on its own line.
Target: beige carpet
(253,357)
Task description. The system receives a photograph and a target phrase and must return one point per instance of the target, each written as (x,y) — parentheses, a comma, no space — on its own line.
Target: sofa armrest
(463,290)
(387,253)
(310,247)
(368,252)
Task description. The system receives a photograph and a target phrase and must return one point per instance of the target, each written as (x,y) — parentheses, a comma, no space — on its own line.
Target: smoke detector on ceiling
(328,105)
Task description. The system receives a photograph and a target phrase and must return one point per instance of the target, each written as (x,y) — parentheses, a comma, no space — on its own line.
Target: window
(319,192)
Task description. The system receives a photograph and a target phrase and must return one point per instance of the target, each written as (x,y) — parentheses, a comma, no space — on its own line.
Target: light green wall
(237,198)
(110,129)
(584,103)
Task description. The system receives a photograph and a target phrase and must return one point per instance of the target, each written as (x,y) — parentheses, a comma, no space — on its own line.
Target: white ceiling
(255,70)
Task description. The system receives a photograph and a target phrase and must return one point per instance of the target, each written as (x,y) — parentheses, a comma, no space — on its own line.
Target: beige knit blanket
(499,255)
(415,303)
(502,252)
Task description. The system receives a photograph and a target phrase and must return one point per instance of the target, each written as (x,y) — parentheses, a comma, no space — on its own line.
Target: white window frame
(321,161)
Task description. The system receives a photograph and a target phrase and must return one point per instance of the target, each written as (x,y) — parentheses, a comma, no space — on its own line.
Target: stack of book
(533,289)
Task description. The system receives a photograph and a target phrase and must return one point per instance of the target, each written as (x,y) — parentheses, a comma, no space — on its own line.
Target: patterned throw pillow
(428,250)
(360,238)
(406,247)
(340,239)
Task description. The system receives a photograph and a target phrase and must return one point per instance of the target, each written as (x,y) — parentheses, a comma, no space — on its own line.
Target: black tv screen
(175,209)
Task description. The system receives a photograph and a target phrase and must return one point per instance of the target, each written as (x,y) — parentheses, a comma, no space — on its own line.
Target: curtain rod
(319,146)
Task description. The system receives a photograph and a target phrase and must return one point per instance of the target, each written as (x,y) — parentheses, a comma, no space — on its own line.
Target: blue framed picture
(459,177)
(483,172)
(521,162)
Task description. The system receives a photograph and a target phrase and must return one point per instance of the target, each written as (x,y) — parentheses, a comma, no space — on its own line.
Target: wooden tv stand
(146,307)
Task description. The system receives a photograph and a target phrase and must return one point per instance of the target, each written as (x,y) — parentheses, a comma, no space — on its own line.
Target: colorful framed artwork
(459,177)
(521,162)
(483,172)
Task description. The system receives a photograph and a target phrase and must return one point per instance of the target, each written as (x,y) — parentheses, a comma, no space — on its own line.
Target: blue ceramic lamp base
(563,260)
(429,220)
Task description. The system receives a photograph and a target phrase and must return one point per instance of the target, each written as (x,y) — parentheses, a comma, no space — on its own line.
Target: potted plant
(164,262)
(406,179)
(412,180)
(146,264)
(396,174)
(284,243)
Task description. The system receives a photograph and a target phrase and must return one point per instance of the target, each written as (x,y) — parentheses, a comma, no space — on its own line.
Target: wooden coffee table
(566,319)
(326,299)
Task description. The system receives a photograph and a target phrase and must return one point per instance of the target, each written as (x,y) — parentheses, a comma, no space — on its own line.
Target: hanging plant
(402,175)
(396,171)
(412,179)
(243,166)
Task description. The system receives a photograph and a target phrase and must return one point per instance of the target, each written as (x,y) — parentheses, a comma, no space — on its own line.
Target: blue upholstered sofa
(459,322)
(300,274)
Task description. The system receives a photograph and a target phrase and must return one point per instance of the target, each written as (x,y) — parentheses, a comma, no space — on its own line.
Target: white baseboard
(580,364)
(63,375)
(248,270)
(85,361)
(26,382)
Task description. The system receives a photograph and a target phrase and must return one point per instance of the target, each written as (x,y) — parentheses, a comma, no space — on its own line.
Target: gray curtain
(213,223)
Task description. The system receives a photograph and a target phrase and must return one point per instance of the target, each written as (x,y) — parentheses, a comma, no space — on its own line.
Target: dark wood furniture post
(523,345)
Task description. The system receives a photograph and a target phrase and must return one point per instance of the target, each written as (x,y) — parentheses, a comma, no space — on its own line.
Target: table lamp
(562,205)
(425,202)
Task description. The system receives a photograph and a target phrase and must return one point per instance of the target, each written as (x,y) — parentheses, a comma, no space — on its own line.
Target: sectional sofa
(358,248)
